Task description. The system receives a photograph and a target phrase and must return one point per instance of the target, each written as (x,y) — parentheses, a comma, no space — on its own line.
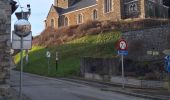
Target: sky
(39,11)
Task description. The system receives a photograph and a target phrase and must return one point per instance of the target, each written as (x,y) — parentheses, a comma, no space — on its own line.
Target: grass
(70,54)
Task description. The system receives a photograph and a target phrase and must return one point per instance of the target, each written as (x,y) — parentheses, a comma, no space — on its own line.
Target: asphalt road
(43,88)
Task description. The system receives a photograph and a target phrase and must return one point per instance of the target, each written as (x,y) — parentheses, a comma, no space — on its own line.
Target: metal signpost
(26,56)
(122,50)
(22,39)
(56,61)
(48,55)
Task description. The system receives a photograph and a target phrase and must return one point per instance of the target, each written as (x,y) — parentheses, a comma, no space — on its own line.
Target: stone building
(72,12)
(7,7)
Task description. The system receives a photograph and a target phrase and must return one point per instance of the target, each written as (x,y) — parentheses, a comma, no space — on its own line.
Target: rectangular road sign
(122,52)
(16,42)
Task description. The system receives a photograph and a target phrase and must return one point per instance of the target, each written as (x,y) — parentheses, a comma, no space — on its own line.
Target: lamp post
(22,28)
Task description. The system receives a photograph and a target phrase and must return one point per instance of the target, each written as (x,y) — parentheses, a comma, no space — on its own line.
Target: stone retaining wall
(147,44)
(101,66)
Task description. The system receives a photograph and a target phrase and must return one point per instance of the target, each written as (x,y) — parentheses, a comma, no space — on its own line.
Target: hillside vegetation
(51,37)
(91,39)
(70,53)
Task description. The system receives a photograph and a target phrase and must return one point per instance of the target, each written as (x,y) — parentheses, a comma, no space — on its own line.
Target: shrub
(83,28)
(94,31)
(106,24)
(96,27)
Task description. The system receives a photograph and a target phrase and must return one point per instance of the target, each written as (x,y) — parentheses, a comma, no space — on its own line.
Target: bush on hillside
(65,34)
(94,31)
(83,28)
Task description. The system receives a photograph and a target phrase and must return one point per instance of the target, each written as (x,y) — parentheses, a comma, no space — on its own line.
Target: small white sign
(153,53)
(166,52)
(56,55)
(48,54)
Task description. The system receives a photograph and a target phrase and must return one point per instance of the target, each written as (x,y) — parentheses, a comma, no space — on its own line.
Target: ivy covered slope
(70,53)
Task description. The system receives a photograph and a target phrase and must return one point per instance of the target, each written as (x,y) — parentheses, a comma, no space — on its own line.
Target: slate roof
(78,5)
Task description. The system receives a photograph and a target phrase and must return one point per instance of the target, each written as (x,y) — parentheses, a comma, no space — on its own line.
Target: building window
(65,21)
(94,14)
(52,23)
(107,6)
(133,8)
(151,10)
(79,19)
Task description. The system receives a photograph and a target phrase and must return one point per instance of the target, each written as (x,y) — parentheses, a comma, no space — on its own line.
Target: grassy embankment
(70,53)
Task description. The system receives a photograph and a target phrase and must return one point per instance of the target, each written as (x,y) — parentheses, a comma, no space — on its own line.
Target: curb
(91,82)
(125,91)
(136,94)
(106,83)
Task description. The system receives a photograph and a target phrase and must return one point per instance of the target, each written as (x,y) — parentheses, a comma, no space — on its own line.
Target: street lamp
(22,28)
(22,37)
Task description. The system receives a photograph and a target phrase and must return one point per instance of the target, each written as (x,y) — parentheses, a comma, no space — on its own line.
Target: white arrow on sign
(166,52)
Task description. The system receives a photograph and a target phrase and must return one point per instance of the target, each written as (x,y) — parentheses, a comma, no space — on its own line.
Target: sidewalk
(155,94)
(144,93)
(14,95)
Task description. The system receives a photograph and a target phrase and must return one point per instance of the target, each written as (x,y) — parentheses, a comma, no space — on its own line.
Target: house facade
(72,12)
(7,7)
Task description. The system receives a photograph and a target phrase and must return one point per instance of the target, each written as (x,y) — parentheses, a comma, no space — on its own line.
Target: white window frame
(107,8)
(96,14)
(67,21)
(78,21)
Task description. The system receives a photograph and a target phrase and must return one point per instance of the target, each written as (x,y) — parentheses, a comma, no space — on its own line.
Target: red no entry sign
(122,45)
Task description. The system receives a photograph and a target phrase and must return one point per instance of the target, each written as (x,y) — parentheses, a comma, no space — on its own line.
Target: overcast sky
(39,11)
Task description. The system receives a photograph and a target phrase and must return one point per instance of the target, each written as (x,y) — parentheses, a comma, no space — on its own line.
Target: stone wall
(5,29)
(52,15)
(120,10)
(86,13)
(99,67)
(64,3)
(147,44)
(115,14)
